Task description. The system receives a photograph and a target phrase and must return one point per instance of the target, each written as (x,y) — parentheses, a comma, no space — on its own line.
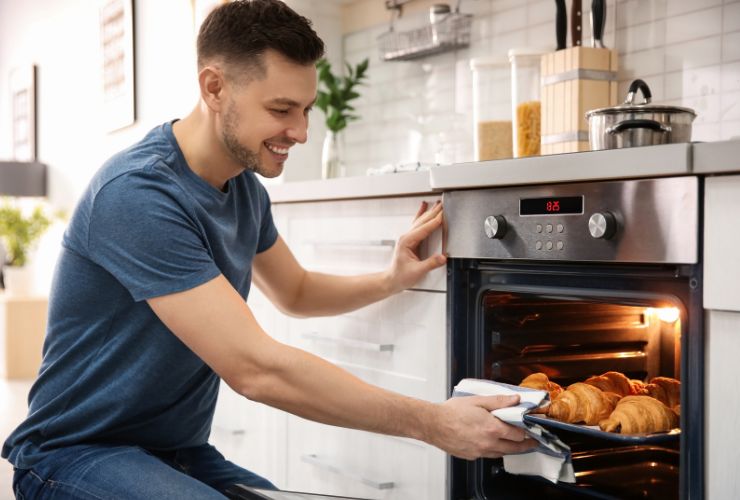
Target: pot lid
(640,108)
(629,105)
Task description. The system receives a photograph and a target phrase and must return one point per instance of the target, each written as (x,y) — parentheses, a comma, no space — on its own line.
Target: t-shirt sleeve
(268,231)
(142,232)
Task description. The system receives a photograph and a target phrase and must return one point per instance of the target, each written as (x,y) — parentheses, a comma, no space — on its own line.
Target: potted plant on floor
(333,99)
(19,232)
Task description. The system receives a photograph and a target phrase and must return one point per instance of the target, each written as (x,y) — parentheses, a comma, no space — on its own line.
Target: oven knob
(602,225)
(495,226)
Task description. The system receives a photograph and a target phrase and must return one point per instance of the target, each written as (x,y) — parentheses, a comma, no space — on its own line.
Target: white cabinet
(399,344)
(722,405)
(356,236)
(721,243)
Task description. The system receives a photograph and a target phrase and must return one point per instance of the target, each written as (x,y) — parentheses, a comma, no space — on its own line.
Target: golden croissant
(640,415)
(611,382)
(671,390)
(582,403)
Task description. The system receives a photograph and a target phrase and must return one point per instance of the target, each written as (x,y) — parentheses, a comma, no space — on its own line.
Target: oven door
(510,319)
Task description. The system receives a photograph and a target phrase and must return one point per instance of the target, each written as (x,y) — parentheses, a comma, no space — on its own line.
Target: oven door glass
(508,325)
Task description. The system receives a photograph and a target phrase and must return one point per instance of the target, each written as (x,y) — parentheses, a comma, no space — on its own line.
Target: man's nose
(299,130)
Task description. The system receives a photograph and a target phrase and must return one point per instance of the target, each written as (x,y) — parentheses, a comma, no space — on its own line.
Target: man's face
(265,117)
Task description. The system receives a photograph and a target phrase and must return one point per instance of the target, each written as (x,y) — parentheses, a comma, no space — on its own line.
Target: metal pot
(643,124)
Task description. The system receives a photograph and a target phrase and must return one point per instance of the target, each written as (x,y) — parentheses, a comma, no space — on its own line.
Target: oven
(574,280)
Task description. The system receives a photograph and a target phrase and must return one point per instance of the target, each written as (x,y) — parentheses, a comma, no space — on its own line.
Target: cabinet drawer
(399,343)
(338,461)
(356,236)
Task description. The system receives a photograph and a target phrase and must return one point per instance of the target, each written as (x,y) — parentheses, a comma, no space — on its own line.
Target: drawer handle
(359,344)
(353,243)
(325,464)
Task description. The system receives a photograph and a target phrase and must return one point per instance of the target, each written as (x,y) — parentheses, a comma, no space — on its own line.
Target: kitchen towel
(551,459)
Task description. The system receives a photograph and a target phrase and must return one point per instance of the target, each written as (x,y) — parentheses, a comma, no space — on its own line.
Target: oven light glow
(669,314)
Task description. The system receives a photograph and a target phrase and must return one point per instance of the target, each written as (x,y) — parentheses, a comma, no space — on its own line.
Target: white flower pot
(18,280)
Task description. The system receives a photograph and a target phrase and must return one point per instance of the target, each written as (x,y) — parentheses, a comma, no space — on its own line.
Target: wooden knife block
(574,81)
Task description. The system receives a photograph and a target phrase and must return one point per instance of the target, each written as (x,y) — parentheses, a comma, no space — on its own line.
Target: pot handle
(634,87)
(630,124)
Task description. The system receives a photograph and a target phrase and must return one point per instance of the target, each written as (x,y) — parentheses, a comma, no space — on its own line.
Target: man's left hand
(407,267)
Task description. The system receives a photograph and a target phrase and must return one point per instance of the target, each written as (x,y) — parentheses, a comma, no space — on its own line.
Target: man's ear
(212,86)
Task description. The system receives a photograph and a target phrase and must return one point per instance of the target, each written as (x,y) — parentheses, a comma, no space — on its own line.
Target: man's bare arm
(216,324)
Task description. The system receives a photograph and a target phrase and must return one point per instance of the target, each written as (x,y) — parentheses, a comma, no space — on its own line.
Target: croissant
(581,403)
(611,382)
(671,389)
(639,415)
(638,387)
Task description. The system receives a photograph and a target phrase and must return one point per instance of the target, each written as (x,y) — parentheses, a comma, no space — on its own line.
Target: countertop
(653,161)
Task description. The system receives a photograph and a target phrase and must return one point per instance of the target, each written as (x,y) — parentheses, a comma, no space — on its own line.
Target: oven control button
(495,226)
(602,225)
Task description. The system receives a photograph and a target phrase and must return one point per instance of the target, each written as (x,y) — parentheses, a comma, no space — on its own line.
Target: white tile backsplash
(729,130)
(731,17)
(641,37)
(730,107)
(675,7)
(634,12)
(693,83)
(699,24)
(688,51)
(731,47)
(694,54)
(730,77)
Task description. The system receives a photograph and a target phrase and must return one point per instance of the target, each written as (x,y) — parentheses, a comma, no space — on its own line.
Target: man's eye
(280,111)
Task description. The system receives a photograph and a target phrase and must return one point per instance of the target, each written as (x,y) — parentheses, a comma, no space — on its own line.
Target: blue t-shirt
(146,226)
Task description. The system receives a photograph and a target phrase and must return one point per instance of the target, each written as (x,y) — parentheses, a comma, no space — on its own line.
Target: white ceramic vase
(331,156)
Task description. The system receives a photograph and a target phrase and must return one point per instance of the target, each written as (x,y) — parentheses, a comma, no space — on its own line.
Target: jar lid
(488,61)
(526,52)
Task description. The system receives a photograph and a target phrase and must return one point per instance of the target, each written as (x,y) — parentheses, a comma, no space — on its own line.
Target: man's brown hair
(240,32)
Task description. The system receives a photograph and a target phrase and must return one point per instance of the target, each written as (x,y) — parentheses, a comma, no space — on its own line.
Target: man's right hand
(464,427)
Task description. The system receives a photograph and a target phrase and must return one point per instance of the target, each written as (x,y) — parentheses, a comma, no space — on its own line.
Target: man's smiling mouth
(277,149)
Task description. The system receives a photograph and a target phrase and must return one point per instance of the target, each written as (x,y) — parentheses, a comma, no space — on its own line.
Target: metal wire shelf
(450,33)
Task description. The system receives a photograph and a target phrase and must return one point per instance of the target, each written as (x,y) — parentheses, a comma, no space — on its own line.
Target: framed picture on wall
(23,106)
(117,46)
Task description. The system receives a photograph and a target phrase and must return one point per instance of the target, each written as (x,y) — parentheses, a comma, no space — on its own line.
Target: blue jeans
(102,471)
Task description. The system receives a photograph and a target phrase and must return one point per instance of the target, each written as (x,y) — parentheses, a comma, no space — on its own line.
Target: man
(148,307)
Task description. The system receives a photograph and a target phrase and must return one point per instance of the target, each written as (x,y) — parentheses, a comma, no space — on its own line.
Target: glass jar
(525,101)
(491,108)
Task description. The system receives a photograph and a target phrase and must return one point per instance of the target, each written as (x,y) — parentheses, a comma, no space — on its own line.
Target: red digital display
(551,206)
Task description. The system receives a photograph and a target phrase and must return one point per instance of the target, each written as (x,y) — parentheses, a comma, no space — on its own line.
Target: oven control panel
(646,220)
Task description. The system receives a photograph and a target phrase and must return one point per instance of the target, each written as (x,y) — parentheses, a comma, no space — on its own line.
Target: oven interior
(569,340)
(511,320)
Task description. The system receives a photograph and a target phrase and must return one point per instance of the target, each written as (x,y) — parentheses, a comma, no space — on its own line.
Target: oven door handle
(323,463)
(358,344)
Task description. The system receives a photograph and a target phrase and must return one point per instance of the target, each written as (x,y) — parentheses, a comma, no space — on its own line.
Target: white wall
(61,37)
(688,51)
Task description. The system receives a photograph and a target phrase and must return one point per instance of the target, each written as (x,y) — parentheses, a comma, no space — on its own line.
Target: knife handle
(598,16)
(575,23)
(561,23)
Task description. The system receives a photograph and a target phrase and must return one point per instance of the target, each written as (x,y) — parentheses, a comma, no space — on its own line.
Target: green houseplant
(19,232)
(334,96)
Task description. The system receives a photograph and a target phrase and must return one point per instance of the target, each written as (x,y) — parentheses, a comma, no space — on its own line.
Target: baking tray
(594,431)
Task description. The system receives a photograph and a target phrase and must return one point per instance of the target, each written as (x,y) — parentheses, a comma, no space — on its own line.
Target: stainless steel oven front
(574,280)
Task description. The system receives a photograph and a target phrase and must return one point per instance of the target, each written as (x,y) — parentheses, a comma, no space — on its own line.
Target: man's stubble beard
(247,158)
